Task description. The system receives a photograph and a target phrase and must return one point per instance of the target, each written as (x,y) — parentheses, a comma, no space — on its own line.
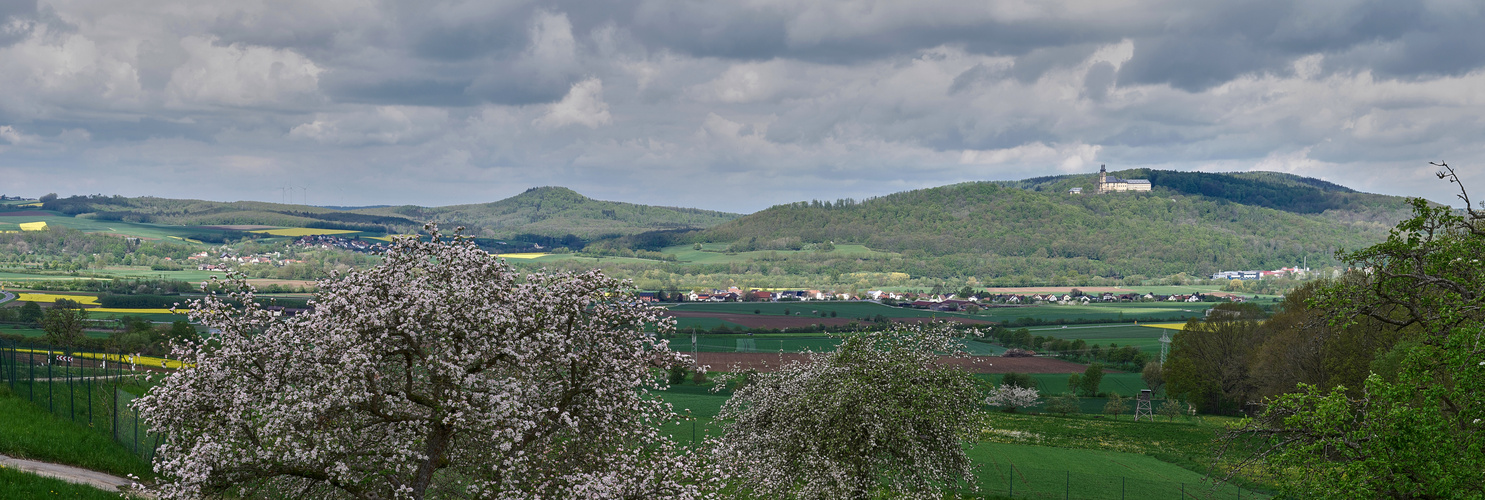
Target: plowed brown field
(762,321)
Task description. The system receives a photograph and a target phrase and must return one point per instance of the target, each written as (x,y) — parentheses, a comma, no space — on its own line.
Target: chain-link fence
(86,387)
(1021,482)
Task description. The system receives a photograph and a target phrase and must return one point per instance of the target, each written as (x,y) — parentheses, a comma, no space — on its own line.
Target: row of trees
(1126,357)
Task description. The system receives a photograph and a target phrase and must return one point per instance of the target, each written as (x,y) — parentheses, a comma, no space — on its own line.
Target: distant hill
(1190,222)
(557,211)
(546,213)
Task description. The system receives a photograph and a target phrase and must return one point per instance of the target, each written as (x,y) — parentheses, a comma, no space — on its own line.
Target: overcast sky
(728,105)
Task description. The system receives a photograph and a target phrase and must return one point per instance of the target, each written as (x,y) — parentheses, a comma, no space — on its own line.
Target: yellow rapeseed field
(33,226)
(301,231)
(132,311)
(530,255)
(1167,326)
(52,297)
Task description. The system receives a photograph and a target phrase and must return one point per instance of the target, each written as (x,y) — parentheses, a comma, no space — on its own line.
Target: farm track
(78,475)
(767,362)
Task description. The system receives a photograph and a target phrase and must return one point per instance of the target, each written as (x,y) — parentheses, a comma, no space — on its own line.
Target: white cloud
(553,50)
(240,75)
(786,100)
(583,105)
(15,137)
(380,125)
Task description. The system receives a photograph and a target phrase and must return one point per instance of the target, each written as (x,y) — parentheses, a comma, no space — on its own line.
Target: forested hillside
(557,211)
(1200,223)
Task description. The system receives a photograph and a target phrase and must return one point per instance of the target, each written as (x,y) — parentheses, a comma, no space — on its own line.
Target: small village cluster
(1283,272)
(226,259)
(352,244)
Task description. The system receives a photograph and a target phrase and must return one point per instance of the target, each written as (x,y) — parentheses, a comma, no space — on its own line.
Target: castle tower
(1103,178)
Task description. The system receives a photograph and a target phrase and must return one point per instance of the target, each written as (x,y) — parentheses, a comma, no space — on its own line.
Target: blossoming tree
(438,373)
(1011,397)
(876,416)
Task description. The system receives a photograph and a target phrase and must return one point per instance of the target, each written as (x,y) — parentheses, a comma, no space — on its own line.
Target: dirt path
(68,473)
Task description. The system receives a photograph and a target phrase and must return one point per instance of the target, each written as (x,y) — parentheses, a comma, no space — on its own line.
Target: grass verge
(29,431)
(17,484)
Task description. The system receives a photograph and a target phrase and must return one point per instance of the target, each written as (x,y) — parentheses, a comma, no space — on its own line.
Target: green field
(140,230)
(1028,471)
(1145,338)
(1111,312)
(1088,456)
(8,276)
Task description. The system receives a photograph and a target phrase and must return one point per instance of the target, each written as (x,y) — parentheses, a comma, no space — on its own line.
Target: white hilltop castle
(1109,184)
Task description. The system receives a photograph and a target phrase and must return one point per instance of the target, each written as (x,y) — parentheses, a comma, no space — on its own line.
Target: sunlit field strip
(129,311)
(52,297)
(1167,326)
(529,255)
(301,231)
(117,358)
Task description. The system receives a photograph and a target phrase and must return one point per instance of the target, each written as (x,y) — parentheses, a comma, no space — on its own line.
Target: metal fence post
(71,391)
(1013,480)
(1067,487)
(1123,487)
(50,394)
(90,395)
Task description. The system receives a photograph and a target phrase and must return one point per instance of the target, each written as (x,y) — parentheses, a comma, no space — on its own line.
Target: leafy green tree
(1092,377)
(1014,379)
(63,323)
(30,313)
(1066,404)
(1209,362)
(1420,436)
(876,417)
(1170,409)
(1116,405)
(1153,377)
(181,331)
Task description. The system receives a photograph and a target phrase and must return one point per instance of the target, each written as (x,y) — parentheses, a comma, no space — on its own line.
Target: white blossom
(1011,397)
(876,416)
(438,373)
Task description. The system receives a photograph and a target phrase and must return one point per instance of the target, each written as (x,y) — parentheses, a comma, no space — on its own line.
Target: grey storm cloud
(724,105)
